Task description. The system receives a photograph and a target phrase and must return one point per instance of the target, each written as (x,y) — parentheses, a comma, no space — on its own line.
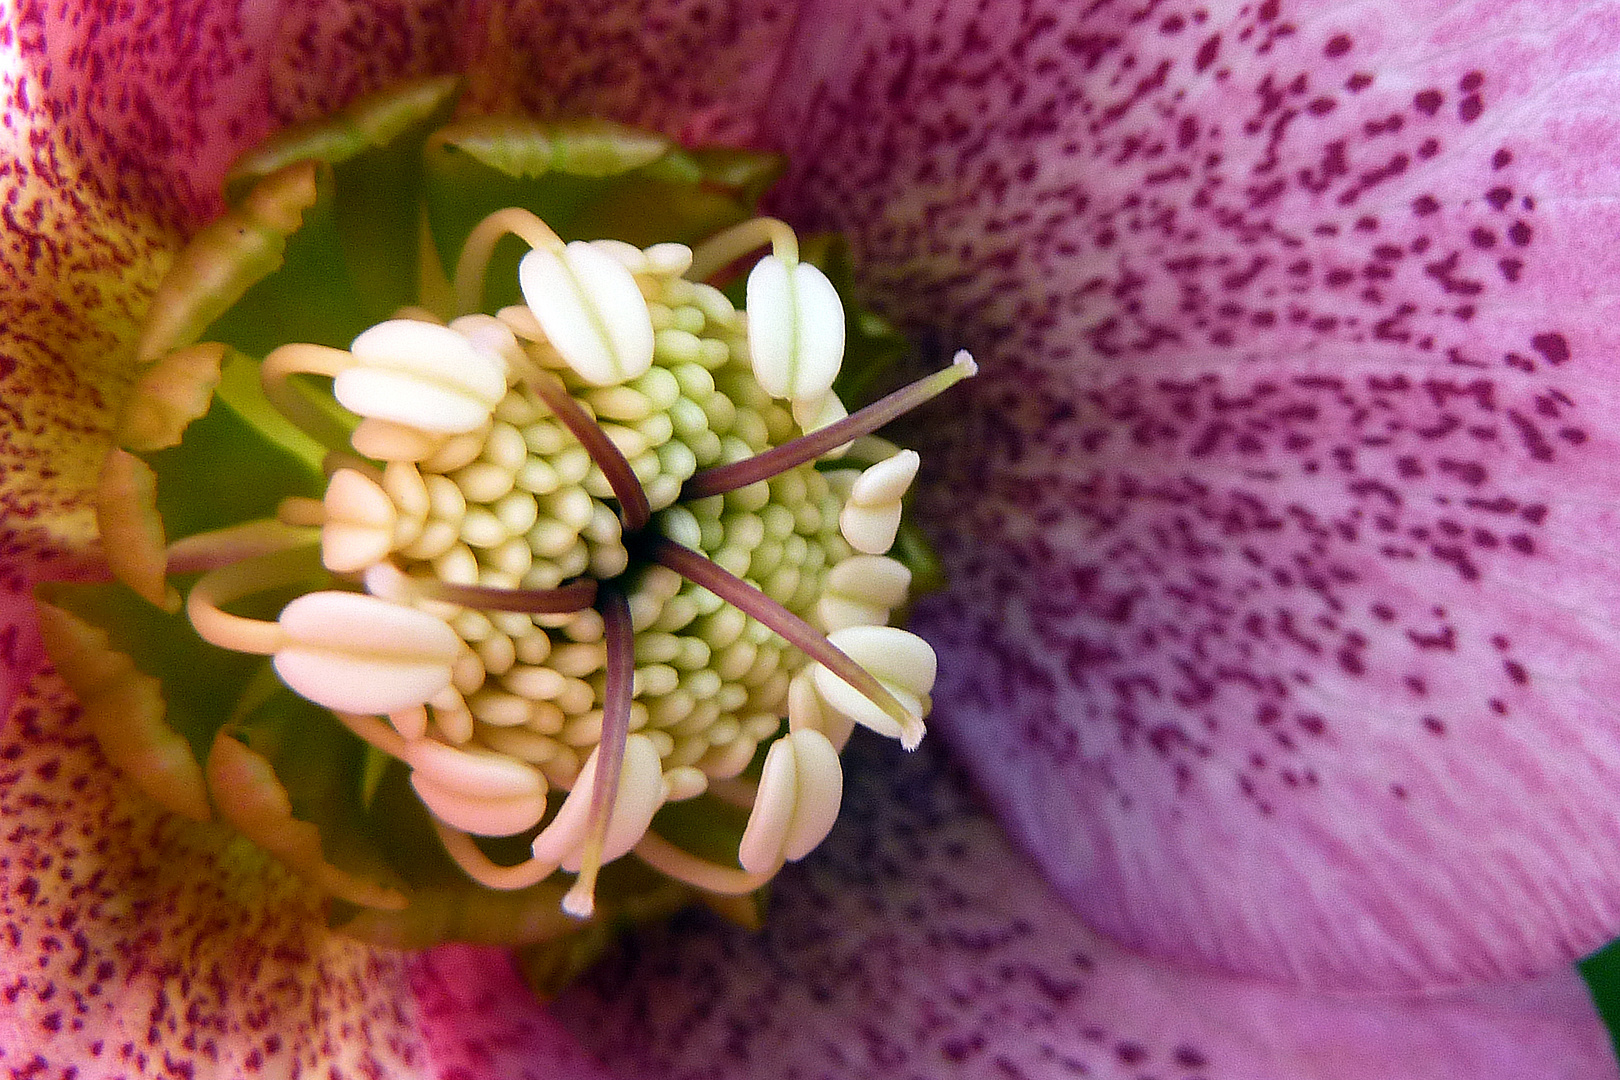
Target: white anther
(360,521)
(871,516)
(627,255)
(800,789)
(592,311)
(805,709)
(903,662)
(426,376)
(669,260)
(356,653)
(862,590)
(409,494)
(795,329)
(489,336)
(494,706)
(641,792)
(682,782)
(887,481)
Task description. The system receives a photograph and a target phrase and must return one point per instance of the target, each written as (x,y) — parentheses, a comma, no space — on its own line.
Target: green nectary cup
(506,543)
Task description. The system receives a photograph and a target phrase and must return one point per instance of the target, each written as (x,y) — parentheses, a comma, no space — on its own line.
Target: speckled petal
(144,945)
(914,942)
(478,1019)
(1281,518)
(689,68)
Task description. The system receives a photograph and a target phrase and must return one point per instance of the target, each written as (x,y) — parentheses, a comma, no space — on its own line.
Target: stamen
(725,248)
(482,869)
(228,583)
(634,509)
(202,552)
(304,359)
(616,695)
(682,865)
(779,459)
(480,246)
(386,580)
(801,635)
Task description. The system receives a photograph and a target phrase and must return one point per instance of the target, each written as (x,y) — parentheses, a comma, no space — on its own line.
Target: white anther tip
(964,360)
(591,309)
(795,329)
(579,902)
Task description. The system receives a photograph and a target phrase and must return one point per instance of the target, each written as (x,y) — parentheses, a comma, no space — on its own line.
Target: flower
(1098,625)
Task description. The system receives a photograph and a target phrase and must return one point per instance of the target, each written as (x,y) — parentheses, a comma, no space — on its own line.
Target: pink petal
(162,96)
(137,944)
(1283,518)
(479,1020)
(691,68)
(915,943)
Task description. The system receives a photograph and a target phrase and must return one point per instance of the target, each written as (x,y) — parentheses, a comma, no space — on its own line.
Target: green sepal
(587,179)
(321,767)
(200,684)
(374,147)
(309,295)
(235,463)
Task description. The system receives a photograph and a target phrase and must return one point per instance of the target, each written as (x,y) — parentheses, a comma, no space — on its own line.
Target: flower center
(601,546)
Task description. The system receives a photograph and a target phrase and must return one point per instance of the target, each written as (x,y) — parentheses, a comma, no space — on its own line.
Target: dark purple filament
(634,510)
(795,452)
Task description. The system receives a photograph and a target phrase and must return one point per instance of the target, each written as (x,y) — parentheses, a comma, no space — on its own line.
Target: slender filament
(798,633)
(616,696)
(634,510)
(779,459)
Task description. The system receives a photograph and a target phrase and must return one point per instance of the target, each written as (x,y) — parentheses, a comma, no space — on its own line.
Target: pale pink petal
(1282,520)
(915,943)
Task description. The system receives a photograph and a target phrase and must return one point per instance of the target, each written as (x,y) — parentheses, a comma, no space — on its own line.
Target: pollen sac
(795,329)
(356,653)
(871,514)
(425,376)
(587,302)
(902,662)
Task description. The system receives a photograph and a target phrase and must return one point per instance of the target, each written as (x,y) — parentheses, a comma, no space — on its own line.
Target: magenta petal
(477,1019)
(915,943)
(163,94)
(1283,517)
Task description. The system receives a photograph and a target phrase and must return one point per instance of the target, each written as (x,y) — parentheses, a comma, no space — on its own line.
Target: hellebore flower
(1277,626)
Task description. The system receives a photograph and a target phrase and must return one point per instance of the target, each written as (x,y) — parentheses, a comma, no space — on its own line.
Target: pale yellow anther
(360,523)
(360,654)
(800,790)
(421,375)
(795,329)
(815,413)
(641,792)
(862,590)
(871,514)
(903,662)
(591,310)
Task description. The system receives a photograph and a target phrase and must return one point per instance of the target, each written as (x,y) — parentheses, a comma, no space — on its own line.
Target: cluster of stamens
(602,543)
